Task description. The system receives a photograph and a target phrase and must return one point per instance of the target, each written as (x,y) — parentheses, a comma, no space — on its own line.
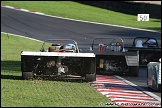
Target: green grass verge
(37,93)
(79,11)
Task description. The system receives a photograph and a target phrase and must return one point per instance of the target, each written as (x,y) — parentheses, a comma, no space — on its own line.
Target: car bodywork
(154,75)
(106,56)
(113,58)
(150,51)
(58,63)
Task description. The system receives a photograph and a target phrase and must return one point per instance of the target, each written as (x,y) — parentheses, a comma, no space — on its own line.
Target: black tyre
(90,77)
(89,71)
(159,87)
(27,75)
(134,71)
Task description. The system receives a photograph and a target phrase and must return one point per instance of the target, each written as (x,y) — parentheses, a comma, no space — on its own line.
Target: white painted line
(21,36)
(101,23)
(85,21)
(24,10)
(123,94)
(120,90)
(125,88)
(39,13)
(139,88)
(129,100)
(129,96)
(8,7)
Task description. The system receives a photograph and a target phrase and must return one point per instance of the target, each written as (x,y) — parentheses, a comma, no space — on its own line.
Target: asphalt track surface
(44,27)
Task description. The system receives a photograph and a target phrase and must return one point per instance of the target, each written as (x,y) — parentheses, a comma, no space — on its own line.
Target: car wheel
(27,75)
(90,77)
(159,87)
(134,71)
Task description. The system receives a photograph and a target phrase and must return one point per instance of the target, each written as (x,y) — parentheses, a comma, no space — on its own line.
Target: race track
(43,27)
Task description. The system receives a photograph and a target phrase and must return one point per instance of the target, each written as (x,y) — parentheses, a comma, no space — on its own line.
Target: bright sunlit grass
(79,11)
(16,92)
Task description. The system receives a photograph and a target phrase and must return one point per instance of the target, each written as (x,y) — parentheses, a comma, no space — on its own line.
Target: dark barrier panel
(132,8)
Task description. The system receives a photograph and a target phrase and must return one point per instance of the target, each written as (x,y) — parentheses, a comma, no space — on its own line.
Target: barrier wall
(132,8)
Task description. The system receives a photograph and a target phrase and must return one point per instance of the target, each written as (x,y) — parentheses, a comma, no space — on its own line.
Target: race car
(149,49)
(55,60)
(154,75)
(61,58)
(113,58)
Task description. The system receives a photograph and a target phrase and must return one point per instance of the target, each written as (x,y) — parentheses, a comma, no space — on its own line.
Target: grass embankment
(37,93)
(79,11)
